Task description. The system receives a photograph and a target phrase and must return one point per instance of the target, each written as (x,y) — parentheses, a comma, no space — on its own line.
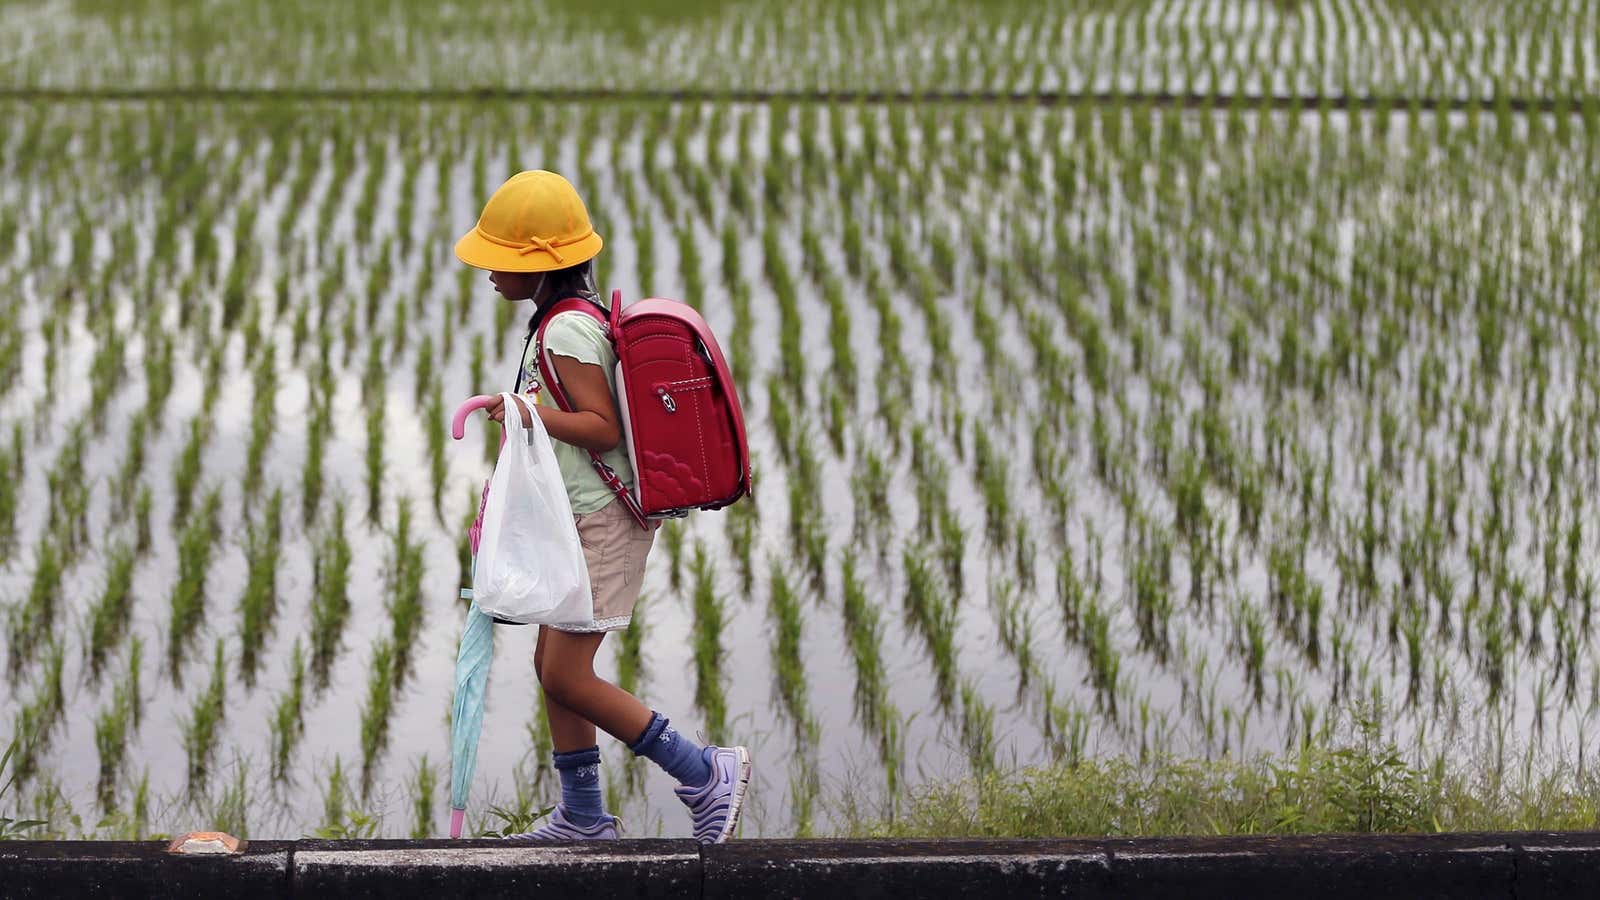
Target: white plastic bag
(530,566)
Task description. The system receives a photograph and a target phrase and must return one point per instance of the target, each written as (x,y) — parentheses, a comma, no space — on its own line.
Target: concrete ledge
(493,868)
(1366,867)
(61,869)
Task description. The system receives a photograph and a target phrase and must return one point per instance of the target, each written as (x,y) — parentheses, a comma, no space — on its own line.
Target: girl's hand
(497,410)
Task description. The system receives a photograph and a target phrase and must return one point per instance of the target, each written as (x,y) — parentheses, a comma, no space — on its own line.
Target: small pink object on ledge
(206,843)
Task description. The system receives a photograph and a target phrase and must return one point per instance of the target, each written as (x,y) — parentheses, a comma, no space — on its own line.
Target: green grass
(1356,785)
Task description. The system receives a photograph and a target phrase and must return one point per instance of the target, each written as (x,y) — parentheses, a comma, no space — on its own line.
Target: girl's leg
(576,699)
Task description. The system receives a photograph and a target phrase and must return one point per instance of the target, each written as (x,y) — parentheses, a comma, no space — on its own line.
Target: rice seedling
(437,464)
(339,822)
(423,787)
(287,723)
(108,618)
(196,543)
(11,473)
(376,711)
(34,725)
(141,518)
(376,436)
(205,717)
(258,605)
(932,615)
(330,603)
(672,533)
(28,624)
(405,592)
(263,418)
(783,609)
(977,730)
(708,650)
(127,477)
(742,519)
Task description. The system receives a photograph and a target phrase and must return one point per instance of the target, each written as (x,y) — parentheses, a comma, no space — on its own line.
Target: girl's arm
(595,424)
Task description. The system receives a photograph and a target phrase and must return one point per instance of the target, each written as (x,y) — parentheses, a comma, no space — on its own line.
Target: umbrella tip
(456,817)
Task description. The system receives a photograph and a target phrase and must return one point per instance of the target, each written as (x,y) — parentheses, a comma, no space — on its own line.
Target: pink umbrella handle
(456,817)
(458,424)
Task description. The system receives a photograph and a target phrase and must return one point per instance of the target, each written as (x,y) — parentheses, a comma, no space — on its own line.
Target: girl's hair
(573,281)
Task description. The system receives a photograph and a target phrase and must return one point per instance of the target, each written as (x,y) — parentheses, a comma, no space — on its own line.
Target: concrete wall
(1521,865)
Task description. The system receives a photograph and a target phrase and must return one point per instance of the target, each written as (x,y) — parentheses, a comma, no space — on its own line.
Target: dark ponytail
(573,281)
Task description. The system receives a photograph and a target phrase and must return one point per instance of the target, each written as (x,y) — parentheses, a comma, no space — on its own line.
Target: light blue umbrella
(466,716)
(472,660)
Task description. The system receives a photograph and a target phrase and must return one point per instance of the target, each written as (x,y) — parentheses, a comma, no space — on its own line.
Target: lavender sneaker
(560,828)
(714,806)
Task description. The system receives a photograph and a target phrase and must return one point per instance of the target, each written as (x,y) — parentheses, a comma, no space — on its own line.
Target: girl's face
(517,285)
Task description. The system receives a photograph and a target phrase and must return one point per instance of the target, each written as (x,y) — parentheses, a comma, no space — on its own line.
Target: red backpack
(681,419)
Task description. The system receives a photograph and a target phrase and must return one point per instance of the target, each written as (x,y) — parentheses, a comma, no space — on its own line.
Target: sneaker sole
(736,805)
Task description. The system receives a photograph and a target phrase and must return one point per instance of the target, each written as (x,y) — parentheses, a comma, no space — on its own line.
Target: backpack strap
(547,373)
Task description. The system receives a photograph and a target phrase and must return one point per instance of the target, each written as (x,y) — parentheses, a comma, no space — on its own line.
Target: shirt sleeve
(576,335)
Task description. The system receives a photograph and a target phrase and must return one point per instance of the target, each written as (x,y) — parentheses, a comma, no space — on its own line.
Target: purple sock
(681,757)
(580,784)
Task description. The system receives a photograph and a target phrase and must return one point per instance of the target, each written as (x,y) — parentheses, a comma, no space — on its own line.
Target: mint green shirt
(580,337)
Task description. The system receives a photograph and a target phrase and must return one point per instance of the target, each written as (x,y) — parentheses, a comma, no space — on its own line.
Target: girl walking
(535,239)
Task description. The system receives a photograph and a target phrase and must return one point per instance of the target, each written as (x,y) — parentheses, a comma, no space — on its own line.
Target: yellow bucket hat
(534,222)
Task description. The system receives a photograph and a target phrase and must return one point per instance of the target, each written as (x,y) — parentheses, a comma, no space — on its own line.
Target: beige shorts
(615,548)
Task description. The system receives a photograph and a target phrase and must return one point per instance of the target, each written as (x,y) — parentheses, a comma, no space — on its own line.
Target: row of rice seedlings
(330,600)
(196,543)
(112,609)
(200,731)
(708,649)
(791,366)
(288,722)
(258,605)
